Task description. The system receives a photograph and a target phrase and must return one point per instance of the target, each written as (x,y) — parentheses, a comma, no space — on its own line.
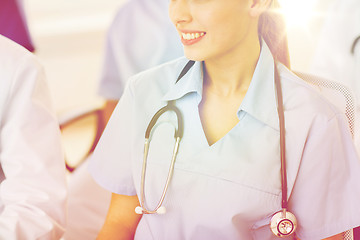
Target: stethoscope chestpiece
(283,224)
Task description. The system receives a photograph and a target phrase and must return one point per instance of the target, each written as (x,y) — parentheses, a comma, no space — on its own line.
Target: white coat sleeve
(325,197)
(33,193)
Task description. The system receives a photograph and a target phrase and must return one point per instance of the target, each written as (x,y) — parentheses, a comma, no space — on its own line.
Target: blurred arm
(108,109)
(336,237)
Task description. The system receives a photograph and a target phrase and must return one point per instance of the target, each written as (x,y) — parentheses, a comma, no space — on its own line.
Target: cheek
(171,13)
(226,29)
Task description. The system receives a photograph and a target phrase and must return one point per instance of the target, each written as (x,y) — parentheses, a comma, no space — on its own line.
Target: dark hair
(272,29)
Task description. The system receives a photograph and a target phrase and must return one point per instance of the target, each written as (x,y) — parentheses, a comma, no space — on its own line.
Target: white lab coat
(33,188)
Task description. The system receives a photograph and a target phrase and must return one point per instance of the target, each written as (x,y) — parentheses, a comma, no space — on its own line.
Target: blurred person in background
(13,23)
(337,55)
(32,174)
(141,36)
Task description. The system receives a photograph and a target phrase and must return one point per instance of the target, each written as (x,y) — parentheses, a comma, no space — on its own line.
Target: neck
(232,74)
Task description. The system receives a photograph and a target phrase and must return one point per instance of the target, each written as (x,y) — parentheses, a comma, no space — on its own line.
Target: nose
(179,12)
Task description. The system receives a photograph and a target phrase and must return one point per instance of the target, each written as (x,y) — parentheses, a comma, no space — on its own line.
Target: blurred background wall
(69,40)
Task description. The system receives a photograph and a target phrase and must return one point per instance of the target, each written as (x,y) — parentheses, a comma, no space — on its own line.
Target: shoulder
(160,78)
(19,69)
(10,47)
(301,95)
(17,63)
(13,57)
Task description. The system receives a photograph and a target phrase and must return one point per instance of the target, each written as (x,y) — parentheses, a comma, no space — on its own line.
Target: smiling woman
(232,173)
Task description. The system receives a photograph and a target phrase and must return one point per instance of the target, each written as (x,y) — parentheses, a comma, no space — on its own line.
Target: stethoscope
(354,44)
(282,223)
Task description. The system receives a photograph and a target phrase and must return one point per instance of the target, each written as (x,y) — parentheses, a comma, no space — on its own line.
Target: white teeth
(192,36)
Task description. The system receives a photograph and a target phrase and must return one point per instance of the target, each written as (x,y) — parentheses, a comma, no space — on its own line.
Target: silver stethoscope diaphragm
(283,224)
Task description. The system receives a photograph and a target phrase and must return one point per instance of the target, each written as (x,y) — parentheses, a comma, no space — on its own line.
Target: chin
(194,56)
(199,53)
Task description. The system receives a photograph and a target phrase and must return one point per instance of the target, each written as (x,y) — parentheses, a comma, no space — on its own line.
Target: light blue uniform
(231,189)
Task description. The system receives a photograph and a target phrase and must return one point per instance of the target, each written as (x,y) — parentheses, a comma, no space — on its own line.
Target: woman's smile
(189,38)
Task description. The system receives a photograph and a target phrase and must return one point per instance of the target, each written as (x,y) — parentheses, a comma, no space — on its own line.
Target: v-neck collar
(260,99)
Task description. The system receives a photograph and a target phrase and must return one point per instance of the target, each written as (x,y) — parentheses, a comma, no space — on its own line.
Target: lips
(189,38)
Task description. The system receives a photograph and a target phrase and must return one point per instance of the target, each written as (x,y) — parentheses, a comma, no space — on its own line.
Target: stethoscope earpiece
(139,210)
(161,210)
(283,224)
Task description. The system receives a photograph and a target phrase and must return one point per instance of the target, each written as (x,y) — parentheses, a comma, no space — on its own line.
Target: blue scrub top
(128,48)
(230,190)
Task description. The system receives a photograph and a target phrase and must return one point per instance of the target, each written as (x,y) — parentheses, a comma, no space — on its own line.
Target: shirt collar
(192,81)
(260,99)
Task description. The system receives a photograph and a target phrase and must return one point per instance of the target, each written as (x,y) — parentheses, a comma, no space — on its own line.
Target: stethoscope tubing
(178,135)
(280,106)
(169,107)
(168,179)
(354,44)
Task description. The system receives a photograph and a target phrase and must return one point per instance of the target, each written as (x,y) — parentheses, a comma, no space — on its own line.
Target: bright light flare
(297,12)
